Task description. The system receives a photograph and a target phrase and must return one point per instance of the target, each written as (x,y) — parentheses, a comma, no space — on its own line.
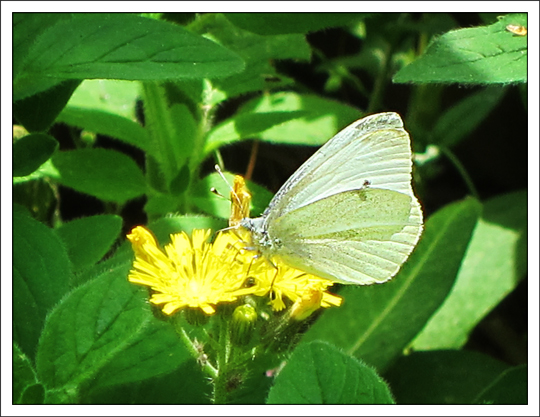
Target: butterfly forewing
(374,149)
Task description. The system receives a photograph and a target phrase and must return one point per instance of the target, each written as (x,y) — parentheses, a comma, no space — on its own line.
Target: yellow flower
(306,290)
(191,272)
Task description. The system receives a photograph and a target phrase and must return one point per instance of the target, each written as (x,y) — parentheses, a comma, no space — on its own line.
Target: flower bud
(243,322)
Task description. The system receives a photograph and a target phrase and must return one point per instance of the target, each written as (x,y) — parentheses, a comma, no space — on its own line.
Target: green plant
(83,334)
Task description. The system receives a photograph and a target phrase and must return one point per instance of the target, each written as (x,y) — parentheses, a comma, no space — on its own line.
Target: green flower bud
(88,138)
(243,322)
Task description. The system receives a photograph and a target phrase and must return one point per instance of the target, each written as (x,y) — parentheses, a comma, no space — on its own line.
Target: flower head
(190,272)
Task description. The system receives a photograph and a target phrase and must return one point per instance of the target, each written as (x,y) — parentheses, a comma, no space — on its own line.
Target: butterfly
(349,212)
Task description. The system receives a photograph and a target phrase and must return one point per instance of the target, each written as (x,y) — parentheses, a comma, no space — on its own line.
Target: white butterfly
(349,212)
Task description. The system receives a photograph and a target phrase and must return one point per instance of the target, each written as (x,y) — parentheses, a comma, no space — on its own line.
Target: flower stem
(195,352)
(461,169)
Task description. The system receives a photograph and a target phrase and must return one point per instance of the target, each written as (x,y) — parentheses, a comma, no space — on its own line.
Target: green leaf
(186,385)
(88,239)
(318,373)
(110,96)
(103,173)
(463,118)
(31,151)
(323,118)
(442,377)
(123,255)
(45,170)
(33,394)
(495,262)
(172,131)
(26,28)
(160,204)
(155,350)
(281,23)
(23,374)
(41,275)
(100,122)
(481,55)
(246,126)
(257,51)
(119,46)
(179,184)
(511,387)
(185,143)
(376,322)
(220,207)
(38,112)
(103,334)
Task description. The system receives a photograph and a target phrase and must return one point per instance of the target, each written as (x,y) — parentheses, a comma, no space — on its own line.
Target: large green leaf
(41,277)
(88,239)
(103,173)
(375,323)
(495,262)
(481,55)
(119,46)
(103,334)
(318,373)
(442,377)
